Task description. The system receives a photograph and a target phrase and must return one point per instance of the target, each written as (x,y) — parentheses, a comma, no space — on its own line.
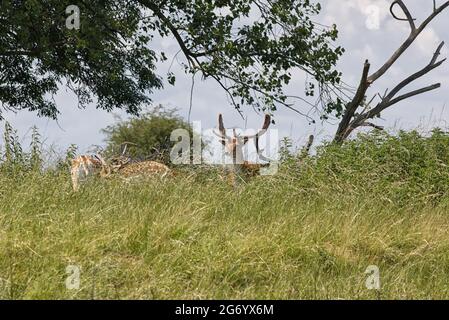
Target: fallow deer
(86,166)
(122,167)
(233,147)
(142,169)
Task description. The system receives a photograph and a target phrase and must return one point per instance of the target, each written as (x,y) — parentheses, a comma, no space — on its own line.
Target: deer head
(105,168)
(234,144)
(118,162)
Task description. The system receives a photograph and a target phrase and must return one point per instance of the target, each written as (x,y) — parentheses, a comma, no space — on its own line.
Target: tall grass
(308,232)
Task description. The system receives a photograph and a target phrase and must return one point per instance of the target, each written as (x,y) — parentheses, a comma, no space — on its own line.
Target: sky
(366,31)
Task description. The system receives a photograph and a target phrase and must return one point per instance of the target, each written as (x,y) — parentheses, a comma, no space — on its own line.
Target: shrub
(147,136)
(14,159)
(402,168)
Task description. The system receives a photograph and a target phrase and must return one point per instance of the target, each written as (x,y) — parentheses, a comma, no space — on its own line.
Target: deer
(142,169)
(233,147)
(121,166)
(85,166)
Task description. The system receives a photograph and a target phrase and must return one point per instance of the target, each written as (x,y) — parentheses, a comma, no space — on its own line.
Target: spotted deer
(233,147)
(122,167)
(142,169)
(86,166)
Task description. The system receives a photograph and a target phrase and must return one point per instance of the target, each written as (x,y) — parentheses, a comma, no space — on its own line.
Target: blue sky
(367,31)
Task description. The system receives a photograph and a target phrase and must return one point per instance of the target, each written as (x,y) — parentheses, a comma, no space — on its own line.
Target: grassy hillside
(309,232)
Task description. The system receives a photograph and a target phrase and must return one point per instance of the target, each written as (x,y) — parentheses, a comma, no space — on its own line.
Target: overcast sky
(361,34)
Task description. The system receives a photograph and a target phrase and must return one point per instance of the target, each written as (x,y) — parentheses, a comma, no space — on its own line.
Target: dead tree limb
(306,150)
(352,117)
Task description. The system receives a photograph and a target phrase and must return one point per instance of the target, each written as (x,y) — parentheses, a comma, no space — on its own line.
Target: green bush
(147,136)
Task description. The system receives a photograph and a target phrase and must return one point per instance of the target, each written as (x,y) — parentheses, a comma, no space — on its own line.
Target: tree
(359,111)
(250,47)
(105,59)
(146,136)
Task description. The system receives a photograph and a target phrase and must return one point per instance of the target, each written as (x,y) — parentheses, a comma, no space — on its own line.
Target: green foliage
(38,52)
(305,233)
(257,57)
(147,136)
(285,152)
(36,160)
(111,59)
(14,159)
(63,164)
(403,169)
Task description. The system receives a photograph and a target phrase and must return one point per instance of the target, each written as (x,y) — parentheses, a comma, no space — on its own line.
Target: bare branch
(351,120)
(369,124)
(355,103)
(432,65)
(437,53)
(406,44)
(413,93)
(389,99)
(407,13)
(306,150)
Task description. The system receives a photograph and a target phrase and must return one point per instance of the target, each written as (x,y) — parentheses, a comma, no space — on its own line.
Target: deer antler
(101,159)
(223,137)
(261,156)
(126,143)
(256,137)
(262,131)
(221,127)
(235,144)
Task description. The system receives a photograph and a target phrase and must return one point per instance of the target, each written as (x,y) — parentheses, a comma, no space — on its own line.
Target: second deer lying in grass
(142,169)
(85,166)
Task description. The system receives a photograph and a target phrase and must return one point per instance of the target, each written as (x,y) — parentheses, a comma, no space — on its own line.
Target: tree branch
(369,124)
(406,44)
(350,120)
(355,103)
(306,150)
(432,65)
(150,5)
(17,53)
(389,100)
(413,93)
(407,13)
